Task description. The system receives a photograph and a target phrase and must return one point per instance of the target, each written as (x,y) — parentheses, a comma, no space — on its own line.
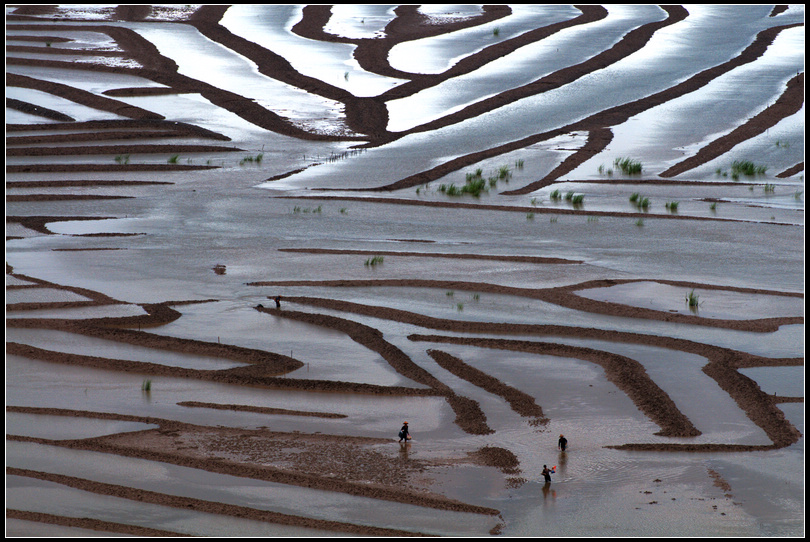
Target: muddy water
(213,237)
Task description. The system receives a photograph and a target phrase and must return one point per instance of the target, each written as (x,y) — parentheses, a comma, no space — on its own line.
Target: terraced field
(245,243)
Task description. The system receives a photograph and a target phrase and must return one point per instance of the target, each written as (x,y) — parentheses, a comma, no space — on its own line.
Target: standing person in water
(547,474)
(404,434)
(562,444)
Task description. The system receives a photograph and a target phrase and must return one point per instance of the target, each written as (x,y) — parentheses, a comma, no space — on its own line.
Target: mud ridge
(520,402)
(260,410)
(759,407)
(469,416)
(185,503)
(79,523)
(562,296)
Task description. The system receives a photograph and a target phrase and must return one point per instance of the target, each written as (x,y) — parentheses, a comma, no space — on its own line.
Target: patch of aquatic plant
(344,211)
(713,206)
(769,188)
(173,159)
(692,299)
(529,216)
(639,201)
(146,385)
(460,306)
(519,163)
(449,189)
(555,195)
(298,209)
(474,185)
(602,171)
(496,31)
(122,159)
(628,166)
(375,261)
(252,159)
(747,168)
(640,222)
(449,293)
(782,144)
(672,206)
(577,199)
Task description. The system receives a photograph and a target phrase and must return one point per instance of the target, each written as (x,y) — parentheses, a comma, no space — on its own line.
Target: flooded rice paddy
(245,243)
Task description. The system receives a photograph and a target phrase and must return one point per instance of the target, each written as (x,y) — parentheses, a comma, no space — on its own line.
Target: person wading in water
(404,434)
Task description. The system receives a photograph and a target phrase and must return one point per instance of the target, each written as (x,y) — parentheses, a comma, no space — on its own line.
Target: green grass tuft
(747,168)
(628,166)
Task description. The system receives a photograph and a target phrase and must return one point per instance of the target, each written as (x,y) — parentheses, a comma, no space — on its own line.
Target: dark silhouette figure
(404,434)
(562,444)
(277,299)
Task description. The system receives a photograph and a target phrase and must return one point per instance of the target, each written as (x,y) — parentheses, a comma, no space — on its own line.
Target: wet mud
(369,467)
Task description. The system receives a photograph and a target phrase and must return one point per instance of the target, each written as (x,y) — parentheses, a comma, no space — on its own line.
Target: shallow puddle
(709,303)
(783,381)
